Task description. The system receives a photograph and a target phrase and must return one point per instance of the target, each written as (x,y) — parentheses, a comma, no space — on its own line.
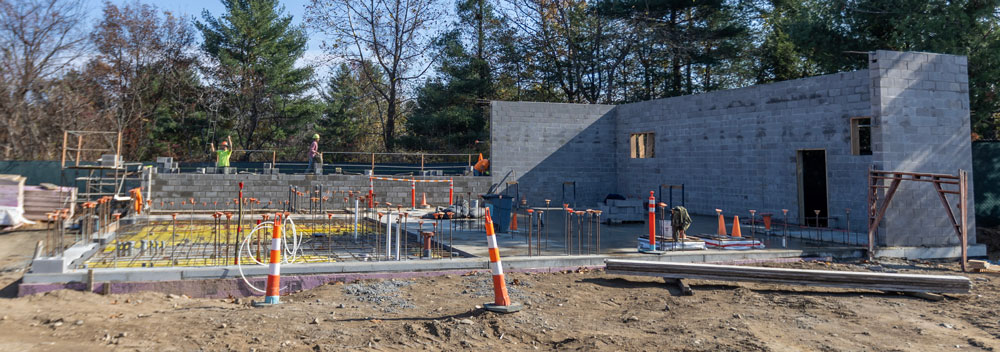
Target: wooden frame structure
(77,153)
(876,211)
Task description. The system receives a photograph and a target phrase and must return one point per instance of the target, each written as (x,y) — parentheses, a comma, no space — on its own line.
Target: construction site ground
(578,310)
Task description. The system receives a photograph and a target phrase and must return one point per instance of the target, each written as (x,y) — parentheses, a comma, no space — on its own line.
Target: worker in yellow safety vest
(222,155)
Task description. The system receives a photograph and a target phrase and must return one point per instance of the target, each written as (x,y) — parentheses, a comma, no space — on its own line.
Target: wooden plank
(979,264)
(823,278)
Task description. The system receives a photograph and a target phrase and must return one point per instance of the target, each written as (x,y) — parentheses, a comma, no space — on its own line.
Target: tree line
(417,75)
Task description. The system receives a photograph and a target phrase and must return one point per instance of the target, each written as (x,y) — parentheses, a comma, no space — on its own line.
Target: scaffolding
(98,153)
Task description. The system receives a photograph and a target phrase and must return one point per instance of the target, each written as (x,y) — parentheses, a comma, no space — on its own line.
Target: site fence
(986,182)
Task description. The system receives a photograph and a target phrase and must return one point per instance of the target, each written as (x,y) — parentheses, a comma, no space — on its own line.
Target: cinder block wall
(921,106)
(736,149)
(221,188)
(543,145)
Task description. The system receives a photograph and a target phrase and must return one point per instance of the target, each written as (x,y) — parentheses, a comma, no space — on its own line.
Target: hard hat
(224,143)
(316,136)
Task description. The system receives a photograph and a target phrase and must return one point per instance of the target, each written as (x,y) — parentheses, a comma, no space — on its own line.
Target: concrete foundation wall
(543,145)
(921,105)
(736,149)
(274,188)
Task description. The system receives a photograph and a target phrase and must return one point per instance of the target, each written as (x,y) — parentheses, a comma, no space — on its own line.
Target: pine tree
(254,47)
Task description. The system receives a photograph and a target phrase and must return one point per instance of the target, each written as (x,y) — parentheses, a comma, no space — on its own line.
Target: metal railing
(375,163)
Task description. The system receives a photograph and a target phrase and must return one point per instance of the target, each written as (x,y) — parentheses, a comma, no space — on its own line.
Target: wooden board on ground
(39,201)
(824,278)
(979,264)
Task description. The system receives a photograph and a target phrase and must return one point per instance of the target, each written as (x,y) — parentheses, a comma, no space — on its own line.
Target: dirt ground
(580,310)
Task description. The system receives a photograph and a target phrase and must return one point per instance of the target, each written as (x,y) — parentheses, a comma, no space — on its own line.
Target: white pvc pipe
(388,235)
(399,228)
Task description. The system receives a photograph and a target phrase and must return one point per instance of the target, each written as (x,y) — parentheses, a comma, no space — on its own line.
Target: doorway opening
(812,187)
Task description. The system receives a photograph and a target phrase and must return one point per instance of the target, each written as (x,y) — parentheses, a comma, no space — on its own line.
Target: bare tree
(38,40)
(142,53)
(394,34)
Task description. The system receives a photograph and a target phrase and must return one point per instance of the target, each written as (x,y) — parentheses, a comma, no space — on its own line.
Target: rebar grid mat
(165,244)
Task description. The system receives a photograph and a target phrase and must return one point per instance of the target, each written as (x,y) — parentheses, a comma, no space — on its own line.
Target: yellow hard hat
(315,135)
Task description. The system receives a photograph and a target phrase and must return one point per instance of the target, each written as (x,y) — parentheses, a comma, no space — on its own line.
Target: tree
(39,40)
(253,49)
(394,34)
(828,32)
(144,59)
(350,110)
(448,115)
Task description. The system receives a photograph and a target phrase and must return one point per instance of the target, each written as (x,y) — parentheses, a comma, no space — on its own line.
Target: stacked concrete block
(111,160)
(221,188)
(738,149)
(921,106)
(166,165)
(544,145)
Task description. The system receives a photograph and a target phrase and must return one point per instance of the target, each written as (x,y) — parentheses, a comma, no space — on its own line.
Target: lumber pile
(982,266)
(824,278)
(39,200)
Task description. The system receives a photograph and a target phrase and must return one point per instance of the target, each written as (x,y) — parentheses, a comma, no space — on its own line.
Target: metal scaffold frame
(82,150)
(876,211)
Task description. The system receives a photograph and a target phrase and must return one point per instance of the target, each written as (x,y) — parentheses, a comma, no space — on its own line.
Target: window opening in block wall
(861,136)
(642,145)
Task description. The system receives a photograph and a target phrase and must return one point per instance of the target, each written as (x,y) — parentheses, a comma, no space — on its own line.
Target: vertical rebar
(784,233)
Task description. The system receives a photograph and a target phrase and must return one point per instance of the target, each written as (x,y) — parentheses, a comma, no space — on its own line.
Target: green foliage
(254,48)
(836,34)
(351,112)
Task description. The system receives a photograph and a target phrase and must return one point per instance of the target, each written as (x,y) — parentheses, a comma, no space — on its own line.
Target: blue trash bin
(500,207)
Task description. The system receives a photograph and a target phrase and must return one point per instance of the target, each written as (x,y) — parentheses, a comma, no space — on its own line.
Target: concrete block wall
(543,145)
(274,188)
(736,149)
(920,102)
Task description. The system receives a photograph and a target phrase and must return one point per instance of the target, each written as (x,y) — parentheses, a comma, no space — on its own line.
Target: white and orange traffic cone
(274,267)
(502,302)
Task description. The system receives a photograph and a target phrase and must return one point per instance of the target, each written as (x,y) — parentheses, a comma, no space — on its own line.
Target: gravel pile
(384,294)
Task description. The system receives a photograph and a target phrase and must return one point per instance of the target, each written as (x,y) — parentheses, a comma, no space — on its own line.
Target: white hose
(289,257)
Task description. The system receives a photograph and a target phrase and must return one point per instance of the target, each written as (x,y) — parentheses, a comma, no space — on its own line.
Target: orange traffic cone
(513,221)
(736,226)
(722,224)
(767,221)
(423,202)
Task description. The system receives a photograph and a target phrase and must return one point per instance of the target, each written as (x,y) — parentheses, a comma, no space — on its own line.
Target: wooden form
(85,147)
(825,278)
(876,211)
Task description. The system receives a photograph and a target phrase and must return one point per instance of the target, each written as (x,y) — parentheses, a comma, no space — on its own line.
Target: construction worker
(482,166)
(222,155)
(315,158)
(680,221)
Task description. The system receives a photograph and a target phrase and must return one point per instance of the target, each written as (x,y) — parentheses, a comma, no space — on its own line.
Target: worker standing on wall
(680,221)
(222,155)
(315,158)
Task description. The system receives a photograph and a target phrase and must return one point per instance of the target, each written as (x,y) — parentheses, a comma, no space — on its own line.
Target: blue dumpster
(500,207)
